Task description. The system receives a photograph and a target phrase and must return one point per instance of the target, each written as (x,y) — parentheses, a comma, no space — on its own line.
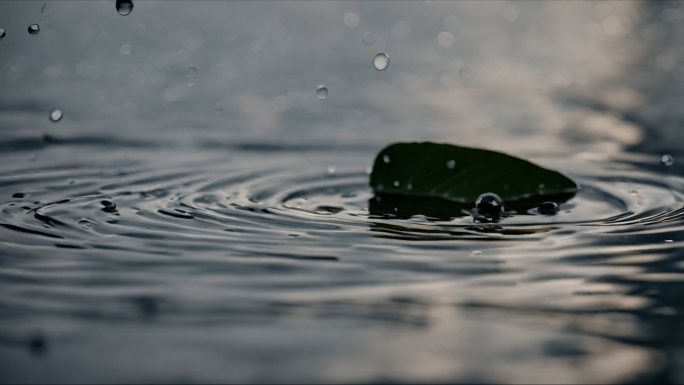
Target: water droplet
(381,61)
(465,73)
(33,29)
(126,49)
(18,195)
(321,92)
(386,158)
(511,13)
(46,10)
(349,194)
(2,33)
(109,206)
(369,171)
(476,252)
(445,39)
(548,208)
(293,235)
(192,72)
(331,171)
(409,186)
(190,82)
(368,39)
(541,185)
(55,115)
(668,241)
(396,183)
(158,23)
(489,204)
(124,7)
(451,164)
(86,224)
(667,160)
(379,187)
(351,19)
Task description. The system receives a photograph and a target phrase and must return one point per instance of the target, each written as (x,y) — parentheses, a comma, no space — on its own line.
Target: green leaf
(460,174)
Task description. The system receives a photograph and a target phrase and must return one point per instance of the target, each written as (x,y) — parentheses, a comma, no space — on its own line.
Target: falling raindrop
(476,252)
(381,61)
(451,164)
(369,171)
(321,92)
(331,171)
(124,7)
(368,39)
(386,158)
(396,183)
(46,10)
(55,115)
(667,160)
(409,186)
(2,34)
(126,49)
(192,72)
(33,29)
(465,73)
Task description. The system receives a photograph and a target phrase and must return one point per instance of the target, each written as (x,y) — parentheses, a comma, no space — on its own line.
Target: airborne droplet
(667,160)
(2,34)
(321,92)
(192,72)
(368,39)
(33,29)
(489,204)
(55,115)
(451,164)
(124,7)
(548,208)
(386,158)
(381,61)
(126,49)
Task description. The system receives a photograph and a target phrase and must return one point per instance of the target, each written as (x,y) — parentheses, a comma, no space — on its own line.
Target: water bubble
(46,10)
(108,206)
(331,171)
(192,72)
(445,39)
(86,224)
(386,158)
(351,19)
(381,61)
(18,195)
(368,39)
(55,115)
(2,33)
(190,82)
(489,204)
(476,252)
(667,160)
(465,73)
(126,49)
(33,29)
(321,92)
(124,7)
(396,183)
(511,13)
(548,208)
(451,164)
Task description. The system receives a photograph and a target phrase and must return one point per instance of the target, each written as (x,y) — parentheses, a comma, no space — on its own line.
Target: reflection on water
(222,231)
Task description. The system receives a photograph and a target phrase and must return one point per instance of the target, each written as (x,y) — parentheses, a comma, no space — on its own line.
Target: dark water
(173,228)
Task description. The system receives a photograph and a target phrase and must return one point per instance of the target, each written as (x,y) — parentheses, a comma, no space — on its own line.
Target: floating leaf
(411,176)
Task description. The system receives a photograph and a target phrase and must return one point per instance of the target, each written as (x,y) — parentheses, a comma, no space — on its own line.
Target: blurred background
(233,176)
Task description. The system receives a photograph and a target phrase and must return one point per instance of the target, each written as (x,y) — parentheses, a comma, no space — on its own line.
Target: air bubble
(548,208)
(489,204)
(381,61)
(368,39)
(124,7)
(667,160)
(321,92)
(55,115)
(33,29)
(192,72)
(46,10)
(126,49)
